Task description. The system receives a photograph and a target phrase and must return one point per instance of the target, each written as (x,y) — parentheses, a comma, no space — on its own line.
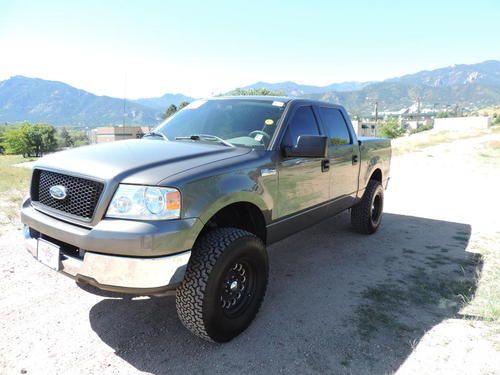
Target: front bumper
(117,255)
(140,276)
(115,236)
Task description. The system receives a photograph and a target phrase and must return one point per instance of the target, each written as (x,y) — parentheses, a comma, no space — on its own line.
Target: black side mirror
(309,146)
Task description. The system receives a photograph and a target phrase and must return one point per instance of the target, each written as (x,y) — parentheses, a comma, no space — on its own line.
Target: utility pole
(124,105)
(376,112)
(418,109)
(124,99)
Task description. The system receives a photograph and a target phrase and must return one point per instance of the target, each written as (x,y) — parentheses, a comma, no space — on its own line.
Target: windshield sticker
(195,104)
(258,137)
(269,122)
(278,104)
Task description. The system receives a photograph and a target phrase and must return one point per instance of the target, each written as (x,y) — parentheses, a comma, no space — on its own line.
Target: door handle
(354,159)
(325,165)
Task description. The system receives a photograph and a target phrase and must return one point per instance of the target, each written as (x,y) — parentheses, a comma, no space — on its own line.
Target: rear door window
(335,126)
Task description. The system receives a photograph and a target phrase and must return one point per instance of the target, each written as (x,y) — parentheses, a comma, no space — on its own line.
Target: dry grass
(486,302)
(420,141)
(13,177)
(489,153)
(489,111)
(14,183)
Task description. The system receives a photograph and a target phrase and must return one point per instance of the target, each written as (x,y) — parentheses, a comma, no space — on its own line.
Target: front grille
(82,194)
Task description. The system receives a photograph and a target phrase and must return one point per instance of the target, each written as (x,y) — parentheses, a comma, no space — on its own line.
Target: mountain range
(295,89)
(161,103)
(56,103)
(36,100)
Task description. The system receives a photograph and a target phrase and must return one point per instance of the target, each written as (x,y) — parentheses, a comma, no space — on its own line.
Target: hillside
(471,87)
(485,73)
(161,103)
(392,96)
(296,89)
(38,100)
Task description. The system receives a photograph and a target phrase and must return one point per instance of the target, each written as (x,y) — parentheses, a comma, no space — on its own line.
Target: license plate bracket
(49,254)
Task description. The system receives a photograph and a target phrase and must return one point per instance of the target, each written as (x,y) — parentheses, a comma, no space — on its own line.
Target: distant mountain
(393,96)
(487,73)
(38,100)
(469,86)
(163,102)
(296,89)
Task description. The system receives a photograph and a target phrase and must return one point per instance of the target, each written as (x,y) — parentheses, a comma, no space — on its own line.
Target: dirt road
(337,302)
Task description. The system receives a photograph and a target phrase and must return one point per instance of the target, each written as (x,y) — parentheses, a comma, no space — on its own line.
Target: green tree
(15,141)
(442,115)
(261,91)
(72,137)
(170,111)
(42,138)
(30,140)
(182,105)
(65,139)
(79,137)
(391,129)
(2,131)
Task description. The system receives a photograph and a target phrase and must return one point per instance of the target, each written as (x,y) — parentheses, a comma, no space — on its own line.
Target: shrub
(422,128)
(391,130)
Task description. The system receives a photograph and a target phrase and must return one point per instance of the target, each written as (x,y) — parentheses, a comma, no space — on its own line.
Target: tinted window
(243,122)
(303,123)
(336,126)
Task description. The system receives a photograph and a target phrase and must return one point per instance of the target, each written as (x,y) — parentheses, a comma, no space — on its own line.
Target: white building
(462,123)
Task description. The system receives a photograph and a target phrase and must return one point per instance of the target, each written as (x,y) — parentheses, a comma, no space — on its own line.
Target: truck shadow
(337,302)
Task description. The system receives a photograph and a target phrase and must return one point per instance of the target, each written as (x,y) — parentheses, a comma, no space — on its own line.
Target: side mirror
(309,146)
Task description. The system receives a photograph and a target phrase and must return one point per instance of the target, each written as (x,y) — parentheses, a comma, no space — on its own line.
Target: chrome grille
(82,194)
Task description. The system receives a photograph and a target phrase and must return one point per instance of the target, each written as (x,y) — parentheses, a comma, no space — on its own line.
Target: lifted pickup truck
(191,206)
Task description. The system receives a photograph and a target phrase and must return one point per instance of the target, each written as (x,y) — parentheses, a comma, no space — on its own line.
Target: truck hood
(123,159)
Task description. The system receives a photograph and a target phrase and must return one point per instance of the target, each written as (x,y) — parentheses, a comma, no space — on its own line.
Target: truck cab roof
(283,99)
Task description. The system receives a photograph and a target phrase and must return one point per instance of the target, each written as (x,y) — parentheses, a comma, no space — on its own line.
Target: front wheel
(367,214)
(224,284)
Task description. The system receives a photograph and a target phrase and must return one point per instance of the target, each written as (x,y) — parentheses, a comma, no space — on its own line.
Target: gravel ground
(337,302)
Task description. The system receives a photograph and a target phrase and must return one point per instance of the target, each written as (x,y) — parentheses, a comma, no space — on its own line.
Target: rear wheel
(367,214)
(224,285)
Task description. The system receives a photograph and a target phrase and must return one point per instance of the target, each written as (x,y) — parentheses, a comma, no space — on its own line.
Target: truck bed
(373,151)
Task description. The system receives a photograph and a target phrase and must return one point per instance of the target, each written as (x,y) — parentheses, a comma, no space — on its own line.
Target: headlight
(145,203)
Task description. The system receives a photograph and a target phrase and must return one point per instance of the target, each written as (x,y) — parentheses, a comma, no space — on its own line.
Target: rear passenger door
(342,153)
(303,183)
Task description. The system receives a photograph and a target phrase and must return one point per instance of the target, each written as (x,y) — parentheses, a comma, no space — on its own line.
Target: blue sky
(146,48)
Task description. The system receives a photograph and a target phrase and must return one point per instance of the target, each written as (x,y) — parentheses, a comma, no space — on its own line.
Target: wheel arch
(238,213)
(376,175)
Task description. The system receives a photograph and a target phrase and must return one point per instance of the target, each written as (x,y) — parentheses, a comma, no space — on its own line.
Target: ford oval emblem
(58,192)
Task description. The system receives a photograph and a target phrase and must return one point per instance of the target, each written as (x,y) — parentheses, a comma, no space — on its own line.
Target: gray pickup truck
(189,208)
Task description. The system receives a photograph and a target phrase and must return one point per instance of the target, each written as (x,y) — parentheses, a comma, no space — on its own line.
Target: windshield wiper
(155,134)
(207,137)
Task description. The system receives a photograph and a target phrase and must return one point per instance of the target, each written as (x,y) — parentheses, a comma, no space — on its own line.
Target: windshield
(240,122)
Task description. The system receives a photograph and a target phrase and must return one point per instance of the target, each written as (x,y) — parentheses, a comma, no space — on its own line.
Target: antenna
(124,98)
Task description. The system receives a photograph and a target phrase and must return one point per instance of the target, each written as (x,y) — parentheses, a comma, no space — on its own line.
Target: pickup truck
(189,208)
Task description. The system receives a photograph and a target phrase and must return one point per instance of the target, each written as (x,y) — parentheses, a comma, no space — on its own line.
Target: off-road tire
(199,297)
(363,218)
